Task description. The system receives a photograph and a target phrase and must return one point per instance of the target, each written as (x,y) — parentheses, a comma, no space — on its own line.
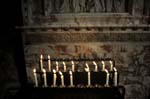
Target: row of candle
(73,65)
(87,69)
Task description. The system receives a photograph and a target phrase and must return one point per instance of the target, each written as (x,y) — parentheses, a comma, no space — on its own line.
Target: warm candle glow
(45,79)
(115,69)
(87,66)
(49,63)
(41,62)
(62,78)
(111,65)
(54,77)
(115,77)
(60,73)
(72,62)
(49,57)
(89,74)
(71,78)
(57,68)
(72,66)
(107,77)
(44,71)
(96,67)
(103,65)
(41,57)
(54,71)
(35,77)
(34,70)
(64,66)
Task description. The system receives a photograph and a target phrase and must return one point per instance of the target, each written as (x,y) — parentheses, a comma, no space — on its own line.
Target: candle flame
(64,63)
(41,56)
(111,63)
(103,62)
(87,69)
(115,69)
(54,71)
(56,63)
(94,63)
(49,57)
(44,70)
(106,71)
(87,65)
(60,73)
(70,72)
(72,62)
(34,70)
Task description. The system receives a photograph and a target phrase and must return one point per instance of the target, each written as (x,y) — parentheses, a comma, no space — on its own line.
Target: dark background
(10,46)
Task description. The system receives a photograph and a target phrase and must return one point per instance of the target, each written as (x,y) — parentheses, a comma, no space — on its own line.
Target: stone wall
(124,37)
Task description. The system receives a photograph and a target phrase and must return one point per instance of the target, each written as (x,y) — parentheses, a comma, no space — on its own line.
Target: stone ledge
(86,37)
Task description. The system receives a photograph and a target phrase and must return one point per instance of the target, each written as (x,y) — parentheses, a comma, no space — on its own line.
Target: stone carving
(78,6)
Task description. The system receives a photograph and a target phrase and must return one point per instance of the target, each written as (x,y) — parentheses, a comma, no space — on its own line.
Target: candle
(41,61)
(35,77)
(49,63)
(96,67)
(62,78)
(107,77)
(45,79)
(72,66)
(57,68)
(87,66)
(54,77)
(111,65)
(115,77)
(89,74)
(103,65)
(64,66)
(71,78)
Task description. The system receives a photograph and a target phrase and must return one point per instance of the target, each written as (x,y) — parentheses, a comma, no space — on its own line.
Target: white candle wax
(45,79)
(41,61)
(64,66)
(96,67)
(72,66)
(107,77)
(103,65)
(62,78)
(89,74)
(111,65)
(115,77)
(89,78)
(54,78)
(71,78)
(57,68)
(35,77)
(49,63)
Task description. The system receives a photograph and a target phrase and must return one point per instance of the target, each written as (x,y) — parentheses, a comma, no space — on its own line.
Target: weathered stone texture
(69,32)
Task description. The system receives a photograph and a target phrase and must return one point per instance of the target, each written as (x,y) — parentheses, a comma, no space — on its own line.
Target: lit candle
(35,77)
(54,77)
(96,67)
(57,68)
(71,78)
(41,61)
(103,65)
(49,63)
(111,65)
(72,66)
(64,66)
(89,74)
(107,77)
(115,77)
(45,79)
(62,78)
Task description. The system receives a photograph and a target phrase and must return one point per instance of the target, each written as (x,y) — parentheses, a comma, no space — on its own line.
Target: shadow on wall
(8,72)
